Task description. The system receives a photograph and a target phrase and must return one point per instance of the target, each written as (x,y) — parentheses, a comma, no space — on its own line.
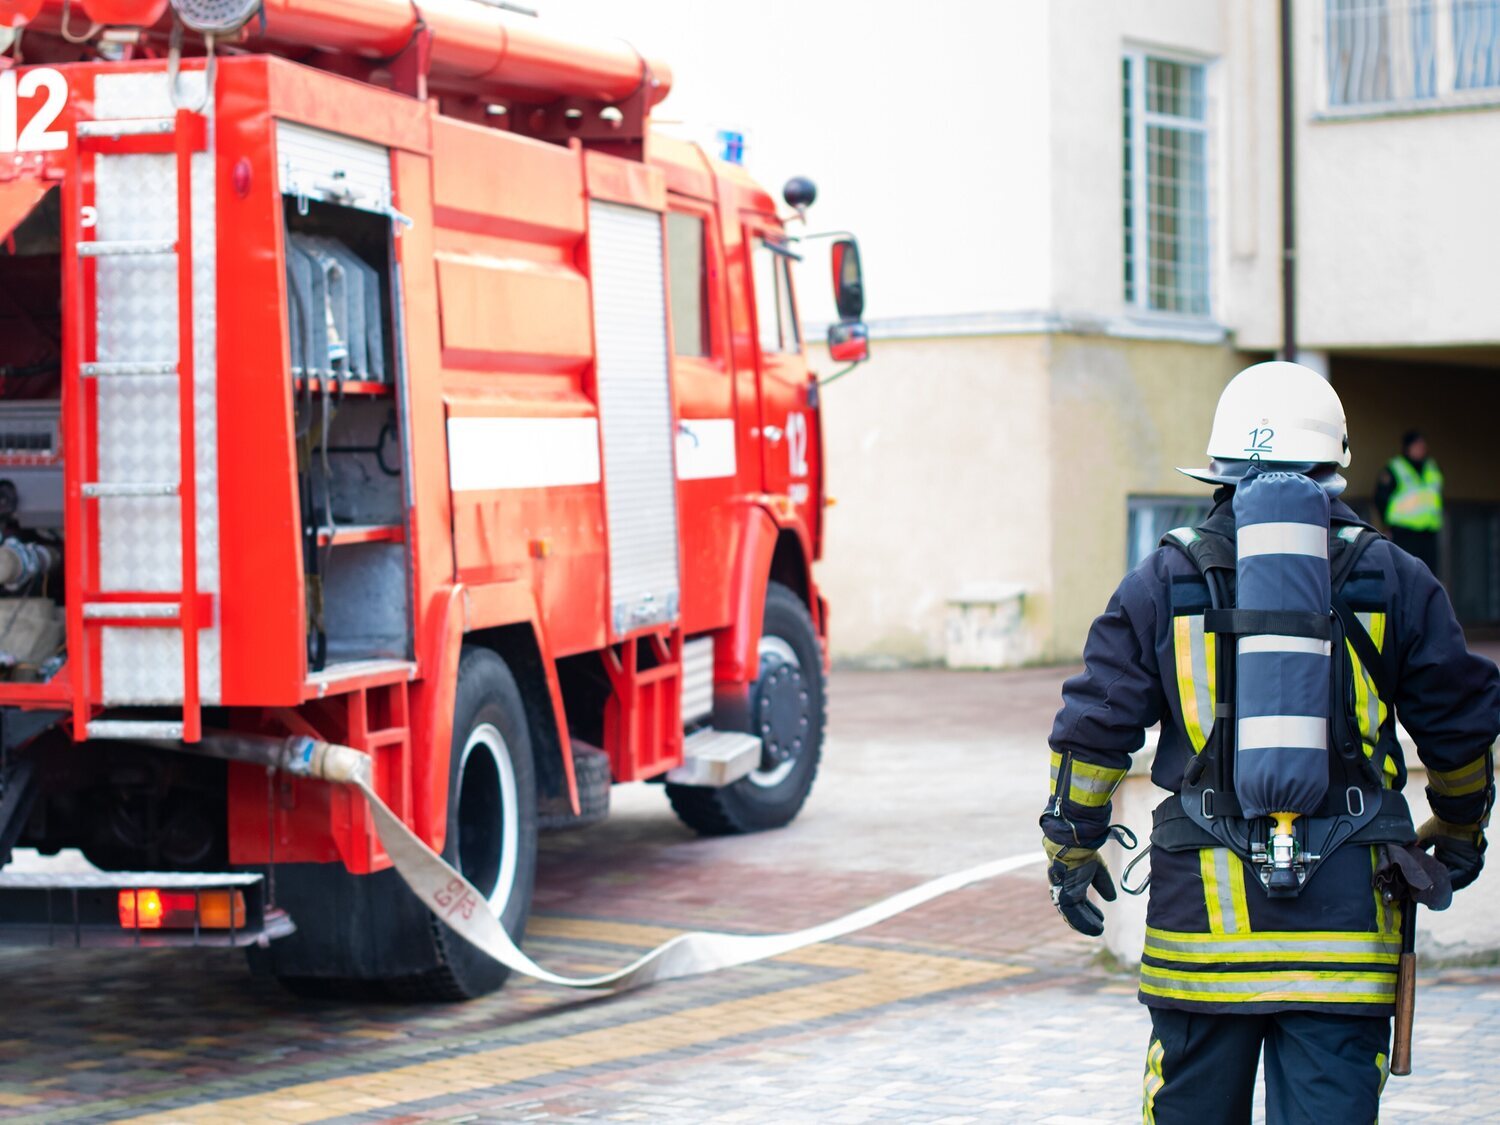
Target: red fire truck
(372,372)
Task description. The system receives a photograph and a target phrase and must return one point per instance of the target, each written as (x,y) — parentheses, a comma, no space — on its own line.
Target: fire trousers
(1320,1067)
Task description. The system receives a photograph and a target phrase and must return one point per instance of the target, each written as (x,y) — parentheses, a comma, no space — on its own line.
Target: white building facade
(1070,212)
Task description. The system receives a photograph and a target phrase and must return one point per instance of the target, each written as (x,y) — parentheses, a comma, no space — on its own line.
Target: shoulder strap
(1207,548)
(1346,547)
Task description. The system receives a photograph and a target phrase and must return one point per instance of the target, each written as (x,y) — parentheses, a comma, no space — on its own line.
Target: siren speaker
(216,17)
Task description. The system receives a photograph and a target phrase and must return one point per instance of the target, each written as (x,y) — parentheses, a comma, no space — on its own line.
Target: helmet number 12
(38,134)
(1260,442)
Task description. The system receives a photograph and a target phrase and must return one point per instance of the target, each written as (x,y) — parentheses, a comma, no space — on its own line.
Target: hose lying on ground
(450,896)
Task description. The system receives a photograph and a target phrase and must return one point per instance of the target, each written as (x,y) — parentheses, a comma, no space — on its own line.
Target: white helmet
(1278,412)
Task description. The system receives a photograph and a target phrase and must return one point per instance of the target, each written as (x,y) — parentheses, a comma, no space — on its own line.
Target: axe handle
(1406,993)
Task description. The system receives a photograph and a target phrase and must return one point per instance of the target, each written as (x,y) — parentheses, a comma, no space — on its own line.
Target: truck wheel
(788,709)
(492,826)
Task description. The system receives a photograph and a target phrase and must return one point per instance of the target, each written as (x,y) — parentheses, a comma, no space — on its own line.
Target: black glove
(1072,872)
(1458,847)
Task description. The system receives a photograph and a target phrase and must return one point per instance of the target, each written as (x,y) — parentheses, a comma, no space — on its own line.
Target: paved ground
(980,1007)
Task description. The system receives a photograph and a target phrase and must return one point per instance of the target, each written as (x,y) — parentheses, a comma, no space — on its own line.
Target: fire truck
(373,372)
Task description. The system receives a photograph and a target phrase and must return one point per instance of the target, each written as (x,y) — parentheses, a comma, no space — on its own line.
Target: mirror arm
(837,375)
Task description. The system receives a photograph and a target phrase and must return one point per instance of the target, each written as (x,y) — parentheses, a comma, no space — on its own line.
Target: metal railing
(1414,54)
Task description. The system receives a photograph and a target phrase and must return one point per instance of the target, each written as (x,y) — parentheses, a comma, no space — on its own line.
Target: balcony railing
(1410,54)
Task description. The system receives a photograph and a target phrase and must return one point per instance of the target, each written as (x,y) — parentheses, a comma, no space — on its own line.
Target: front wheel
(788,711)
(492,826)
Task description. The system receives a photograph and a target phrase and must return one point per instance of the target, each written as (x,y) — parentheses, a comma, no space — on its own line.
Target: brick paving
(978,1007)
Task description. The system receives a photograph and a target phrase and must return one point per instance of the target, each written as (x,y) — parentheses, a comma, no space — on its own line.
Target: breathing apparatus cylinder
(1281,691)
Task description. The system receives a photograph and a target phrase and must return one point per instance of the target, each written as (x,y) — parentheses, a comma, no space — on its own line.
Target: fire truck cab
(378,375)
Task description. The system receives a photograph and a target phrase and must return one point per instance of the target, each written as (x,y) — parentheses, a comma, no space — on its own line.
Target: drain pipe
(1288,191)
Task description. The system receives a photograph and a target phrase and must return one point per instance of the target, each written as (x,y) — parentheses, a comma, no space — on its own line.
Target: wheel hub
(781,705)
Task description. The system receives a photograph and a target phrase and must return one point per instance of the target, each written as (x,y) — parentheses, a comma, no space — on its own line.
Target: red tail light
(181,910)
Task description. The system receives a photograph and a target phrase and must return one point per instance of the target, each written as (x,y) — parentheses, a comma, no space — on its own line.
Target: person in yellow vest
(1409,497)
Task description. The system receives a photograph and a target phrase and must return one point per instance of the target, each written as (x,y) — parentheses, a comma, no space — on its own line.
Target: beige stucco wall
(939,458)
(1000,459)
(1123,415)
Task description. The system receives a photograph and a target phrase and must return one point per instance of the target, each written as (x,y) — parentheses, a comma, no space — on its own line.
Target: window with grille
(1386,53)
(1166,185)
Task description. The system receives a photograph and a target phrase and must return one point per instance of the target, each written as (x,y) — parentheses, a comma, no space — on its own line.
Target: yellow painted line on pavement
(880,977)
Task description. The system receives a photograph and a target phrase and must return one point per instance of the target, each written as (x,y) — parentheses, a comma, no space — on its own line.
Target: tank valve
(1281,878)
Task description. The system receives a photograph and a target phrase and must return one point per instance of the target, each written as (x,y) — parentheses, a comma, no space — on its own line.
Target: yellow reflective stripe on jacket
(1092,785)
(1273,946)
(1154,1082)
(1369,709)
(1467,779)
(1195,652)
(1305,986)
(1224,891)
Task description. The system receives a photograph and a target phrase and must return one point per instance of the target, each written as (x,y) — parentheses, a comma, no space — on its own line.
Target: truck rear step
(143,909)
(715,758)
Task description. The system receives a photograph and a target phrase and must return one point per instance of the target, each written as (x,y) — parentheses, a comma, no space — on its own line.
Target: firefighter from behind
(1276,644)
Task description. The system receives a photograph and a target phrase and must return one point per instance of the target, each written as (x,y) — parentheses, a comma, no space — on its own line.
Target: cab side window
(687,268)
(775,312)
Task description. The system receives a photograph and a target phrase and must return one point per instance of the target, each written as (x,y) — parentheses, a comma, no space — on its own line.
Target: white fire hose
(463,909)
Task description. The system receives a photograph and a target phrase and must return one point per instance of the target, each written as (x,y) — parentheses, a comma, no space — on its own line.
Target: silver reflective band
(1273,642)
(1282,539)
(1267,732)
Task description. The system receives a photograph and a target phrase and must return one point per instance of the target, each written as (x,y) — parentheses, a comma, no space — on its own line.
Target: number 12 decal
(38,135)
(1260,442)
(796,443)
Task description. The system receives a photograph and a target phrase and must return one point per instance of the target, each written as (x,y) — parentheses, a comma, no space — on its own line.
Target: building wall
(939,458)
(1124,415)
(1398,233)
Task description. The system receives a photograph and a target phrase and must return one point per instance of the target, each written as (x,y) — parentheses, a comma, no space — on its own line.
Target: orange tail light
(177,910)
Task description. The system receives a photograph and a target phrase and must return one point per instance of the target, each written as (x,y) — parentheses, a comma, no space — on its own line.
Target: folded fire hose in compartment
(334,310)
(462,908)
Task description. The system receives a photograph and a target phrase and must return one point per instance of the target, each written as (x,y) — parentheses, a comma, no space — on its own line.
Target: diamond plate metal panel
(635,410)
(138,432)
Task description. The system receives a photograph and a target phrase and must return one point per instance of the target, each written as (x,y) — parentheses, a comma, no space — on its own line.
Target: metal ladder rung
(97,489)
(127,248)
(140,611)
(135,728)
(121,370)
(128,127)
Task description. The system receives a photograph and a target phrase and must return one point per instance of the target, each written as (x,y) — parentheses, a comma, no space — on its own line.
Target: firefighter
(1409,497)
(1229,969)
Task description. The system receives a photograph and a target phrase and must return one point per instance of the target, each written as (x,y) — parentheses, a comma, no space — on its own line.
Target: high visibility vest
(1416,504)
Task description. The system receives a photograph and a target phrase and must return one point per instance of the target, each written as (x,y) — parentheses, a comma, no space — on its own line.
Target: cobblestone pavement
(978,1007)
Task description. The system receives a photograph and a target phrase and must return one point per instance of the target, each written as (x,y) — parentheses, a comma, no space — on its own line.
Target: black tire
(790,695)
(489,720)
(591,772)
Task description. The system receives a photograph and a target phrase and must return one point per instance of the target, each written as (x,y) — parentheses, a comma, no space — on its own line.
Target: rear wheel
(491,826)
(788,710)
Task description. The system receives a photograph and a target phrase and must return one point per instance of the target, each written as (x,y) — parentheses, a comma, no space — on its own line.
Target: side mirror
(848,280)
(848,342)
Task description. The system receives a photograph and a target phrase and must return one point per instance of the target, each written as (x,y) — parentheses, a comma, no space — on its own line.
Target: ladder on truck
(91,608)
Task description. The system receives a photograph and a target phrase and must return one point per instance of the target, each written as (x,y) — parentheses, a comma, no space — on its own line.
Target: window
(687,271)
(775,312)
(1151,517)
(1388,52)
(1166,185)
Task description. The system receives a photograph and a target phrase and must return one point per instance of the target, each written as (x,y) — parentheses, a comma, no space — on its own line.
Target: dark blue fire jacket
(1215,941)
